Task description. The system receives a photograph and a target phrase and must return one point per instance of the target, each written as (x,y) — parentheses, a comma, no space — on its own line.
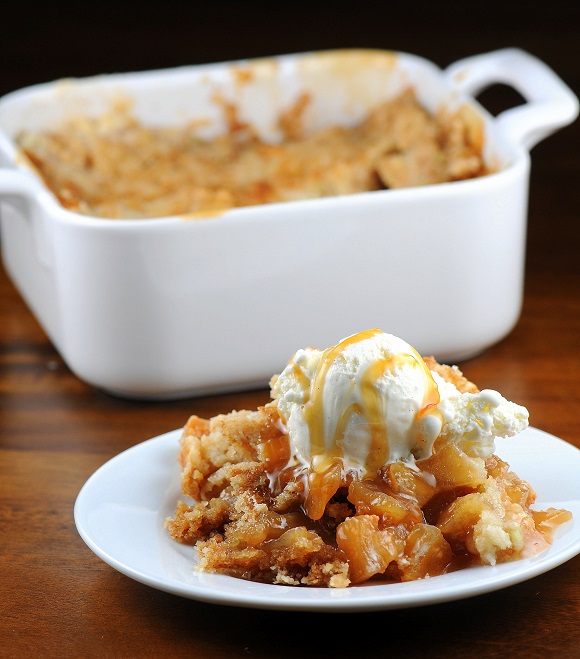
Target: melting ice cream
(371,400)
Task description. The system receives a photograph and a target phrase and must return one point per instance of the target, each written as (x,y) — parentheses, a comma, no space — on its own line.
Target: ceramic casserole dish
(179,306)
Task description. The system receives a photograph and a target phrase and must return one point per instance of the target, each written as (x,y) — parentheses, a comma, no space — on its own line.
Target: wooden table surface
(56,597)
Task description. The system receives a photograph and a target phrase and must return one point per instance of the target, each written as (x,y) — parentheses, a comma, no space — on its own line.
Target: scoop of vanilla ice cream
(475,420)
(371,400)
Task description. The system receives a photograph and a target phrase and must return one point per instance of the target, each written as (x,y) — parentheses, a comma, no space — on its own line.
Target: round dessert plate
(121,509)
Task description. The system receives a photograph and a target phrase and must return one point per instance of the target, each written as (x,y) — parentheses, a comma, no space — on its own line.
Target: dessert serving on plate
(370,463)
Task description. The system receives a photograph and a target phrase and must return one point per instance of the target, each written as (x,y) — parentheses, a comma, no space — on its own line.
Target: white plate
(120,511)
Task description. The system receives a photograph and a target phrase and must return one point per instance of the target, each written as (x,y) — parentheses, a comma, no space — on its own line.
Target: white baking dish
(175,307)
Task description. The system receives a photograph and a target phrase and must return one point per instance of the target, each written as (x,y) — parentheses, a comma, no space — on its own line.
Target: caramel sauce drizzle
(314,408)
(323,480)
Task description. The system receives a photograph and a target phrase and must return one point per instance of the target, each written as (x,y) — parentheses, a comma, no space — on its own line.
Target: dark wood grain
(56,597)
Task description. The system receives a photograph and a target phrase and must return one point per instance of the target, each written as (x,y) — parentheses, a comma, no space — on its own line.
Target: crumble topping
(112,166)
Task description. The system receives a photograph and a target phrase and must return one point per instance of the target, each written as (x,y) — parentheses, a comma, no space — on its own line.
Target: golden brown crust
(112,166)
(208,448)
(451,374)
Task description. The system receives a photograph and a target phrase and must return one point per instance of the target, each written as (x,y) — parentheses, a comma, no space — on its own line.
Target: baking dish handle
(24,192)
(550,103)
(18,185)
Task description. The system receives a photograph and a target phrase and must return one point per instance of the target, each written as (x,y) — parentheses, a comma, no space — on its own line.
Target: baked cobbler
(112,166)
(369,463)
